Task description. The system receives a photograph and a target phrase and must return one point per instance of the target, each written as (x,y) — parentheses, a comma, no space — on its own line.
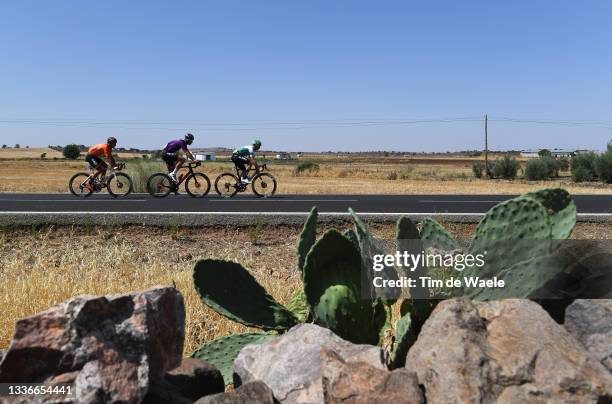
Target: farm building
(557,153)
(283,156)
(205,156)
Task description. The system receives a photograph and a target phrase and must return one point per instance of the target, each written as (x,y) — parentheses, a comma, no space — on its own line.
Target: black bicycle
(197,185)
(262,183)
(118,184)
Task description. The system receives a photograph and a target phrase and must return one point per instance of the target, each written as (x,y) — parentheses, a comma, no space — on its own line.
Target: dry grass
(358,176)
(42,267)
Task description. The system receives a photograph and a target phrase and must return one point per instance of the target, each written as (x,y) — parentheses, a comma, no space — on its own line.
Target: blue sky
(307,75)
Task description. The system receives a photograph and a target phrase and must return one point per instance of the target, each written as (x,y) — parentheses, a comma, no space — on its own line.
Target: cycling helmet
(111,141)
(257,143)
(189,138)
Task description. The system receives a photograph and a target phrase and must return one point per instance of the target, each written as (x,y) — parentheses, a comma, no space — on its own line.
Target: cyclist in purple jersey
(171,156)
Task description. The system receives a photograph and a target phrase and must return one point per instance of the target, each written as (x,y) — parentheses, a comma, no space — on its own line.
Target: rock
(253,392)
(503,351)
(193,379)
(358,382)
(113,347)
(590,322)
(291,364)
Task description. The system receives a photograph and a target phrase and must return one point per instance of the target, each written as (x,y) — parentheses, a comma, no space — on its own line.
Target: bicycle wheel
(264,185)
(197,185)
(225,185)
(77,185)
(119,185)
(159,185)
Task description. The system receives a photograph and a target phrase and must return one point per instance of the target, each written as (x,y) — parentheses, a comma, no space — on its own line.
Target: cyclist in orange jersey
(95,154)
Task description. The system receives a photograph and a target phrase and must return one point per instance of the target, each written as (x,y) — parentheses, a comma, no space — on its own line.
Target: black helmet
(111,141)
(189,136)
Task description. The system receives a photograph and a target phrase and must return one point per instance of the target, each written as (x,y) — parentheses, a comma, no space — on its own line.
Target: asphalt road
(282,204)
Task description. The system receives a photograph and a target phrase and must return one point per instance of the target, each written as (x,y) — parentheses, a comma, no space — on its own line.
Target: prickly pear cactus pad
(368,248)
(409,240)
(333,260)
(434,235)
(561,208)
(299,306)
(332,285)
(222,352)
(231,291)
(513,231)
(307,237)
(405,229)
(523,279)
(404,338)
(352,236)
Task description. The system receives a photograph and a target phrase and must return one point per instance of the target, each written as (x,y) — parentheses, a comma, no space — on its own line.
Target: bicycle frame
(189,167)
(256,170)
(104,181)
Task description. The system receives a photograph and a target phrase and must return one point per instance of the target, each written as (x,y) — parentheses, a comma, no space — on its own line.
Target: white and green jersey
(245,151)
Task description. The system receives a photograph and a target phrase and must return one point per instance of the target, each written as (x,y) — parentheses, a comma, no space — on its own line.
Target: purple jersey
(175,145)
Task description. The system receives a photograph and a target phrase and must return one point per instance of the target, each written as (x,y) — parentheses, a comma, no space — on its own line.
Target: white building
(283,156)
(205,156)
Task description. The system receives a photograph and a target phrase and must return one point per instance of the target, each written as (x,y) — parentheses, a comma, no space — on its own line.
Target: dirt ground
(367,175)
(40,267)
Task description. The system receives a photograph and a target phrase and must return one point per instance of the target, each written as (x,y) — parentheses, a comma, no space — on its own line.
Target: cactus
(368,248)
(434,235)
(405,229)
(222,352)
(331,270)
(352,236)
(332,285)
(507,233)
(409,239)
(523,279)
(231,291)
(404,338)
(307,237)
(561,208)
(299,306)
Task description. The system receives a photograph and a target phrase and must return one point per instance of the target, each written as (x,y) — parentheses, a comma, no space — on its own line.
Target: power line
(258,125)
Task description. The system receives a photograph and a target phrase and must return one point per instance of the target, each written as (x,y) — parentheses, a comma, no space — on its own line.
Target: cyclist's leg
(95,164)
(102,168)
(180,160)
(240,162)
(170,160)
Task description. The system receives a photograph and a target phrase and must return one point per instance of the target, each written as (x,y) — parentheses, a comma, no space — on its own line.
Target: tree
(71,151)
(544,153)
(505,167)
(17,146)
(4,146)
(43,155)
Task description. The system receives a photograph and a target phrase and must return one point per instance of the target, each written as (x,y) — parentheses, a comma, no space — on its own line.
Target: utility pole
(486,146)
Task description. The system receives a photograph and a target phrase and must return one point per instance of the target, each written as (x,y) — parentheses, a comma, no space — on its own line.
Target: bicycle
(160,185)
(118,184)
(262,183)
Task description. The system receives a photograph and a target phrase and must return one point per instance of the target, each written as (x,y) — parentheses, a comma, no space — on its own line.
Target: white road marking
(63,213)
(282,200)
(458,201)
(72,200)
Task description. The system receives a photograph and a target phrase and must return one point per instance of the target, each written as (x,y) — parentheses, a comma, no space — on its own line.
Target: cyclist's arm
(111,159)
(188,154)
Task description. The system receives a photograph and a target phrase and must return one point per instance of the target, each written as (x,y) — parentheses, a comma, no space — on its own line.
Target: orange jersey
(99,150)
